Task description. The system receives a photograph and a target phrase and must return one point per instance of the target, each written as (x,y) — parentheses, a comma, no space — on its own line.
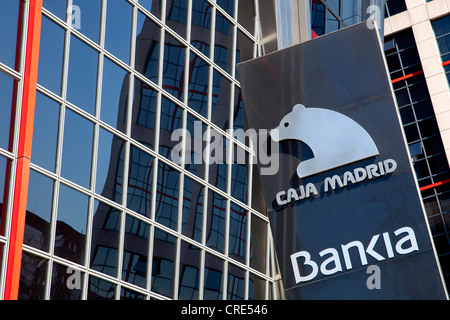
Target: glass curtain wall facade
(422,131)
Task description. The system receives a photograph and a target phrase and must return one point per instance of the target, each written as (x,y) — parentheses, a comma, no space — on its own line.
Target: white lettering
(193,310)
(332,182)
(372,171)
(308,262)
(345,252)
(311,189)
(280,201)
(334,258)
(372,252)
(410,237)
(358,175)
(390,166)
(348,176)
(292,194)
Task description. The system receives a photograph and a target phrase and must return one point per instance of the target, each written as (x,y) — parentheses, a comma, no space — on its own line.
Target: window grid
(405,66)
(54,262)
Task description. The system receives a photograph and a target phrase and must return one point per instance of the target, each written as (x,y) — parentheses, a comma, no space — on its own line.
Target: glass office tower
(109,215)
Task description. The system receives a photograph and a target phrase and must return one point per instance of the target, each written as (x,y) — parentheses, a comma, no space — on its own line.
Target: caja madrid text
(358,175)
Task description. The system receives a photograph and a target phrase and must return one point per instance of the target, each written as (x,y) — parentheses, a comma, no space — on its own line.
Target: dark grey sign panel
(344,205)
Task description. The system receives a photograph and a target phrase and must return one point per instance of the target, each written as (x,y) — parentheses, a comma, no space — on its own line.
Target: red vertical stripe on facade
(19,203)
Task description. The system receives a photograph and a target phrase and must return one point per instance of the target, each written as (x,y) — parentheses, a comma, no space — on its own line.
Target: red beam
(434,185)
(446,63)
(407,76)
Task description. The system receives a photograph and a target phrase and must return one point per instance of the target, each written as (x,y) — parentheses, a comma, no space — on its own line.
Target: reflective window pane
(220,104)
(201,25)
(189,272)
(332,23)
(195,146)
(82,79)
(192,209)
(105,239)
(173,67)
(89,18)
(154,6)
(39,211)
(66,283)
(227,5)
(213,288)
(45,132)
(217,209)
(223,41)
(198,85)
(57,7)
(177,16)
(218,168)
(144,113)
(239,182)
(238,115)
(318,18)
(167,194)
(77,149)
(148,35)
(100,289)
(118,29)
(236,283)
(335,5)
(258,244)
(9,32)
(7,104)
(256,287)
(244,48)
(32,275)
(134,266)
(71,221)
(238,232)
(140,181)
(109,180)
(171,119)
(4,180)
(114,95)
(127,294)
(51,53)
(163,263)
(104,259)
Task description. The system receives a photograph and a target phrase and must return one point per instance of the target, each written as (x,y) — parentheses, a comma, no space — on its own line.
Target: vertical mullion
(95,151)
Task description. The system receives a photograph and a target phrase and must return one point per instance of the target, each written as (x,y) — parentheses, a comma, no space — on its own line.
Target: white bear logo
(334,138)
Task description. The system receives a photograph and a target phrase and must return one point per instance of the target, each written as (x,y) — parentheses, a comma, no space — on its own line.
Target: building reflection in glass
(126,246)
(147,103)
